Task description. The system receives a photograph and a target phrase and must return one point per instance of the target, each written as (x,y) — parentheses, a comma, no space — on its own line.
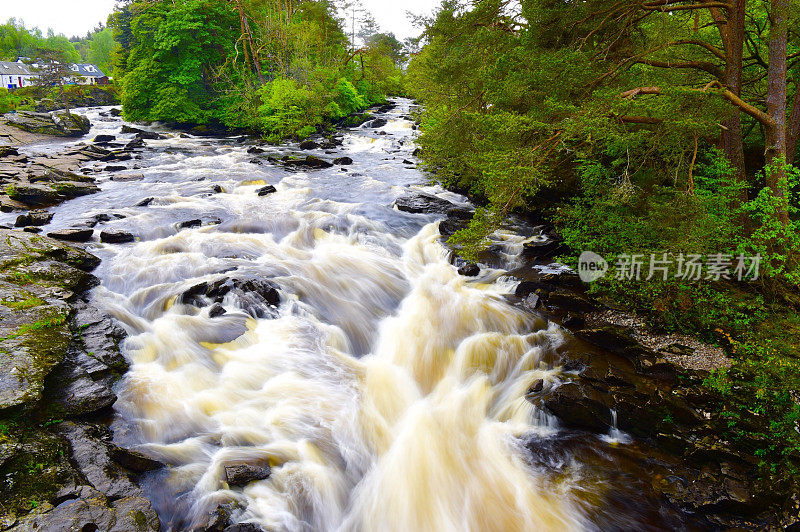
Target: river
(386,391)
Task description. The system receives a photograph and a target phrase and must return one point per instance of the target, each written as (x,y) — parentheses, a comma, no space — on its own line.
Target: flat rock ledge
(59,360)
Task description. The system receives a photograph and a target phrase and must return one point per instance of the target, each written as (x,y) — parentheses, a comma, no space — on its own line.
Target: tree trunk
(793,128)
(731,141)
(776,92)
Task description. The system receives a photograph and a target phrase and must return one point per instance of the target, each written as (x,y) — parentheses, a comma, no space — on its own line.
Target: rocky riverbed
(630,403)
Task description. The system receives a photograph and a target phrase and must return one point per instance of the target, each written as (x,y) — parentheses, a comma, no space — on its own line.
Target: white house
(14,75)
(88,74)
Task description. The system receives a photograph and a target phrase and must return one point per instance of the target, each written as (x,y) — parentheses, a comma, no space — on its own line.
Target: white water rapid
(386,391)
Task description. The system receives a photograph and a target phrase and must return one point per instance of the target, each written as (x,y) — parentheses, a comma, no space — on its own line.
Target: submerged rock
(257,297)
(309,162)
(116,237)
(343,161)
(308,145)
(263,191)
(423,203)
(240,475)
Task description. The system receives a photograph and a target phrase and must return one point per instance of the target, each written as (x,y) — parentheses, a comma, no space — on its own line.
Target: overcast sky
(77,17)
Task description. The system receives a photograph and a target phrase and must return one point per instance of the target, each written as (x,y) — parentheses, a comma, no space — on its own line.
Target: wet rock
(116,237)
(36,230)
(145,202)
(532,301)
(612,337)
(378,122)
(542,247)
(579,406)
(423,203)
(34,218)
(406,161)
(133,460)
(570,300)
(216,310)
(470,269)
(114,168)
(104,138)
(33,194)
(243,474)
(257,297)
(536,387)
(135,144)
(573,321)
(417,152)
(72,235)
(190,223)
(141,133)
(244,527)
(343,161)
(81,396)
(255,150)
(263,191)
(308,145)
(91,454)
(115,111)
(59,124)
(216,189)
(309,162)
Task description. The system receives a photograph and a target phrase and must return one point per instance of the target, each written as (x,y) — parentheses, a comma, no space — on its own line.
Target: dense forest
(284,68)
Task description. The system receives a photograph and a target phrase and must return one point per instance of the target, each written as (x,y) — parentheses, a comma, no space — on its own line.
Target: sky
(78,17)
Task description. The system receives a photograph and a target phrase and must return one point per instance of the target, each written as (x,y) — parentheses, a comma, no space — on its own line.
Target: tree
(52,67)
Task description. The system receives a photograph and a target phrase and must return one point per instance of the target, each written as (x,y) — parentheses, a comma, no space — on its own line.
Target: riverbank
(61,358)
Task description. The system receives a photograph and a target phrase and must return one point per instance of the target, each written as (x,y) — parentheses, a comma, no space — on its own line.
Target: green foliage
(288,108)
(188,61)
(774,239)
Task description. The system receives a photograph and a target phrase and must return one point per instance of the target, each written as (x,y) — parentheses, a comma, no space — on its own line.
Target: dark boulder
(257,297)
(308,145)
(378,122)
(343,161)
(116,237)
(542,246)
(34,218)
(263,191)
(470,269)
(133,460)
(116,111)
(216,189)
(309,162)
(145,202)
(72,235)
(135,144)
(255,150)
(243,474)
(141,133)
(104,138)
(216,311)
(244,527)
(423,203)
(190,223)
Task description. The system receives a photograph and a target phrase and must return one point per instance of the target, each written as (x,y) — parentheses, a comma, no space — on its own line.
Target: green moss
(31,302)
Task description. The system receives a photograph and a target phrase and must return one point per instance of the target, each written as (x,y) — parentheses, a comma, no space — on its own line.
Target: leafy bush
(288,109)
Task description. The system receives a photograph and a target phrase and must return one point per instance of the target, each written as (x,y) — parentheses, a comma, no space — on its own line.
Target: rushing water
(386,391)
